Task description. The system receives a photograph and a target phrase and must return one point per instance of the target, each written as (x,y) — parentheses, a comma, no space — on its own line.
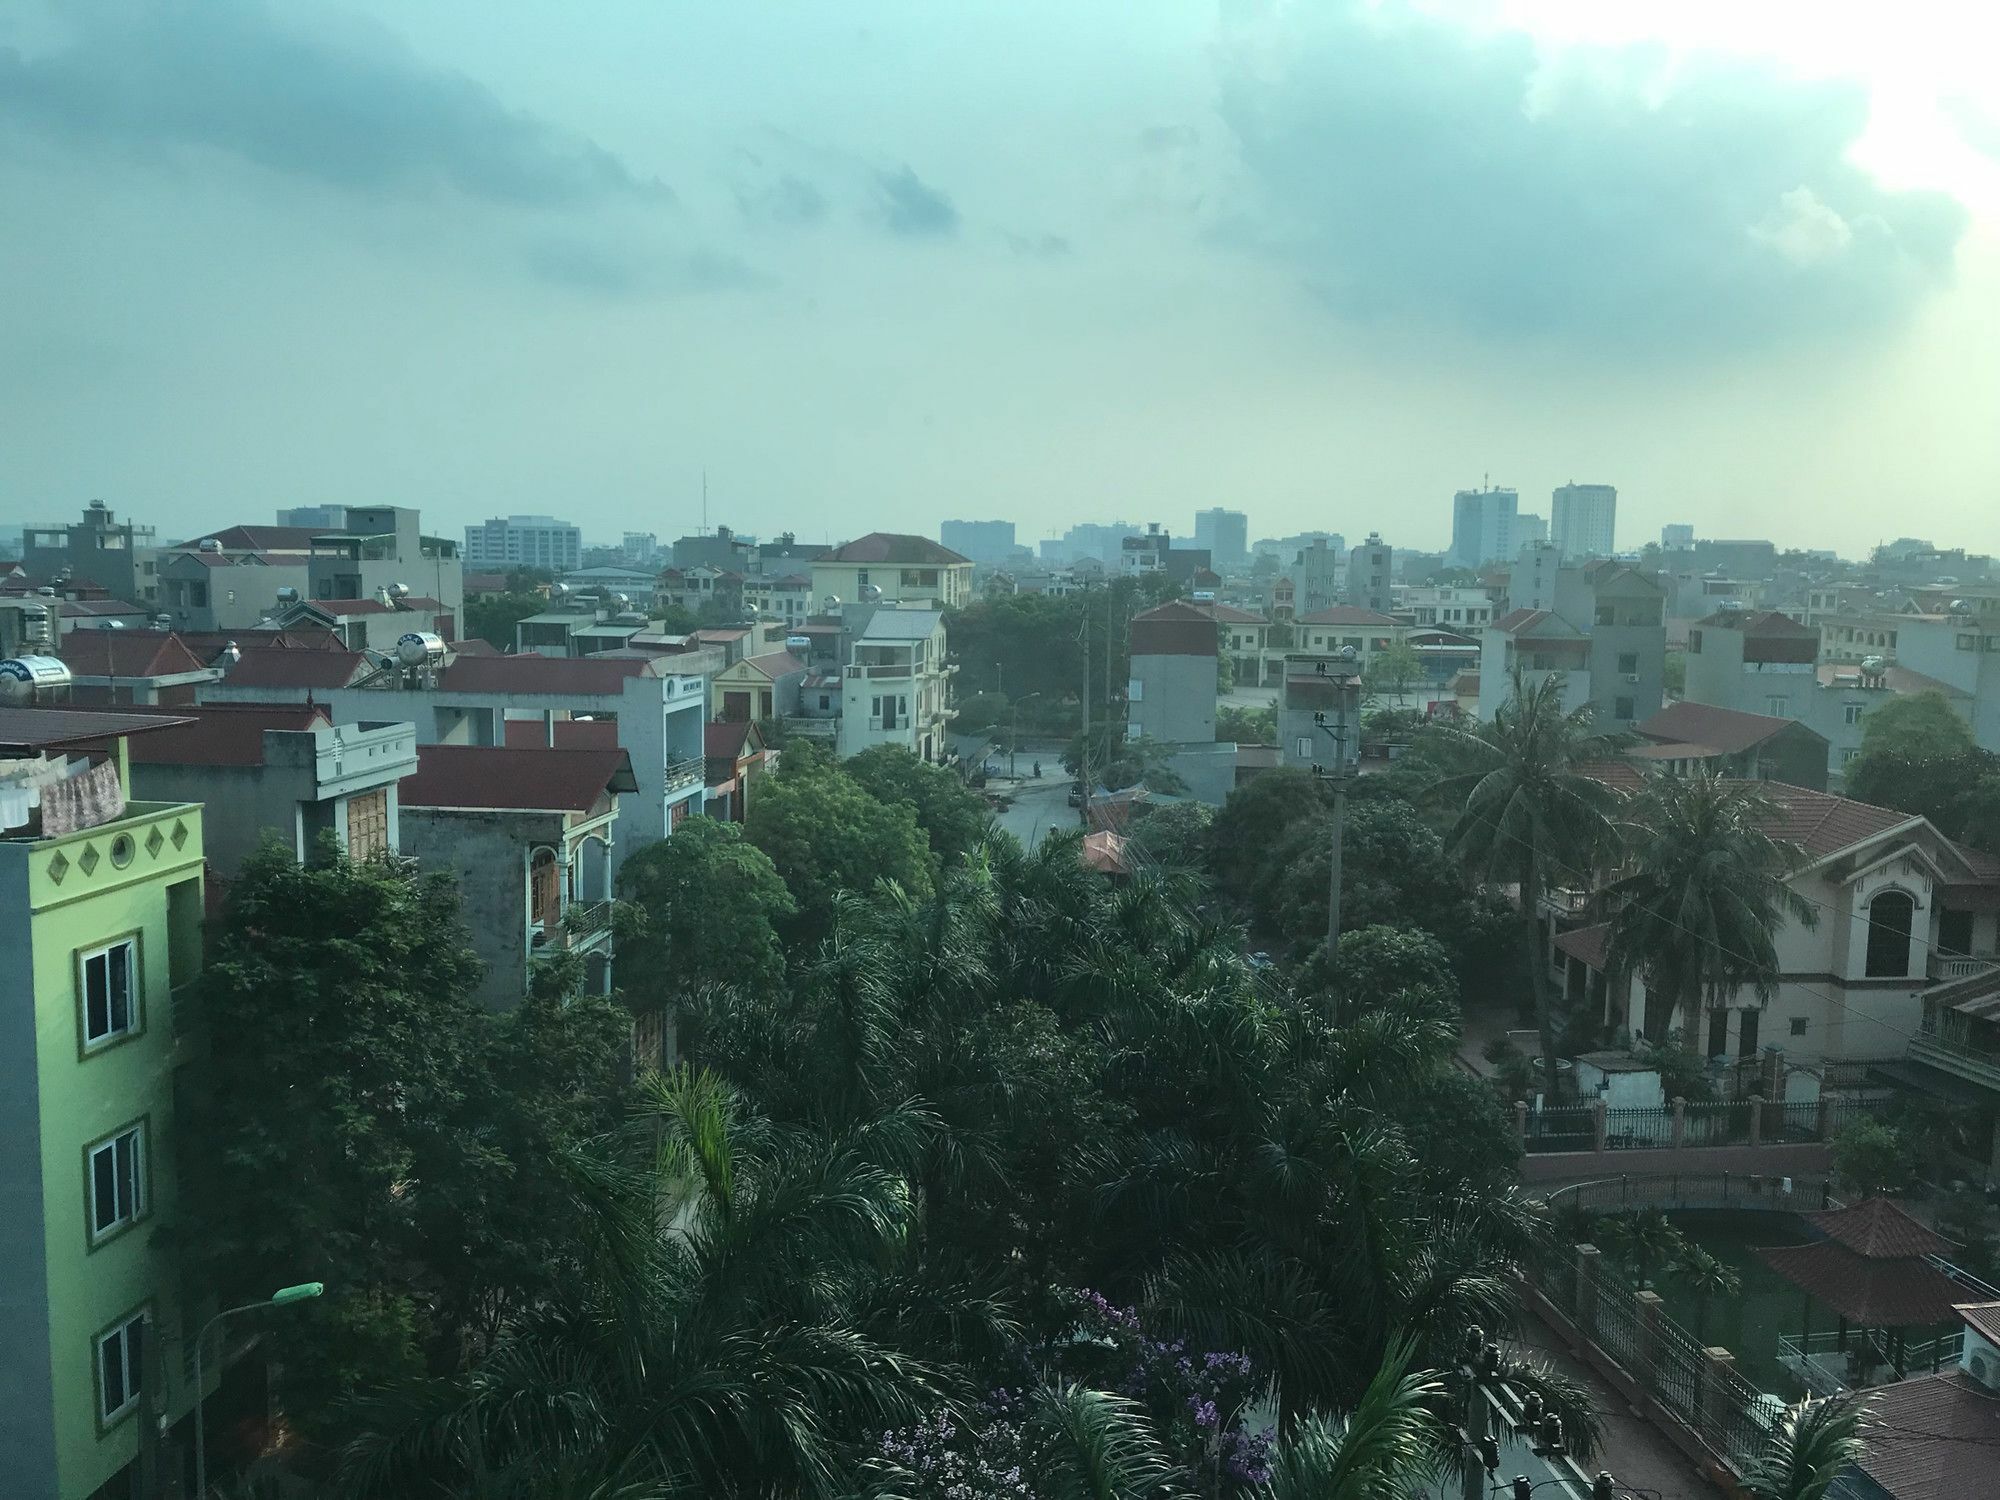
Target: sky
(868,265)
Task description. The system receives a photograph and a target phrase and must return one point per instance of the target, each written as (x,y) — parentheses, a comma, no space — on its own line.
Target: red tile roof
(724,741)
(222,734)
(1889,1293)
(1175,628)
(1962,1460)
(536,779)
(774,664)
(90,609)
(601,676)
(895,547)
(259,538)
(1588,944)
(1229,614)
(206,643)
(58,728)
(1724,729)
(567,734)
(1765,623)
(280,667)
(127,653)
(1348,614)
(1878,1229)
(1823,824)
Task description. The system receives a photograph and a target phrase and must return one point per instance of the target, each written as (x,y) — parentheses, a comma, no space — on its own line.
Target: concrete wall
(1172,698)
(488,854)
(27,1400)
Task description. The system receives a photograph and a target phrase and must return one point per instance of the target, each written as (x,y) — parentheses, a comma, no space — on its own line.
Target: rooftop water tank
(416,648)
(23,679)
(798,643)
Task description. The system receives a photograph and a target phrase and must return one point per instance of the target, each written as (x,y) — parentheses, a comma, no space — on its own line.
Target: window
(1718,1032)
(1607,614)
(1628,663)
(1967,643)
(1622,708)
(1746,1035)
(120,1359)
(1776,706)
(1305,747)
(544,889)
(1850,713)
(368,824)
(1890,918)
(1954,938)
(1694,643)
(110,992)
(1798,1025)
(117,1183)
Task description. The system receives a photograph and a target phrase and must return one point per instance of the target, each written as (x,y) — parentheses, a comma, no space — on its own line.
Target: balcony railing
(586,920)
(1950,1052)
(681,774)
(1946,967)
(881,670)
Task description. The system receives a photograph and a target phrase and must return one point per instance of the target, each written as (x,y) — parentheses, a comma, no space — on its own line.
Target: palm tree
(1814,1445)
(1531,811)
(1706,1277)
(1384,1449)
(1707,893)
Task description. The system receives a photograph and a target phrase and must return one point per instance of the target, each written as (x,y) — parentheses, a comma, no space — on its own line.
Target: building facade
(982,541)
(1583,520)
(505,542)
(1366,583)
(896,684)
(1482,526)
(1226,535)
(118,556)
(893,568)
(104,899)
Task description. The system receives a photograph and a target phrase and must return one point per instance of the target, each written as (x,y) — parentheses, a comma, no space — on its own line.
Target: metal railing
(586,919)
(685,773)
(1834,1362)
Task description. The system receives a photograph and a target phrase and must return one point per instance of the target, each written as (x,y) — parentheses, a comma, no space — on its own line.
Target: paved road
(1040,806)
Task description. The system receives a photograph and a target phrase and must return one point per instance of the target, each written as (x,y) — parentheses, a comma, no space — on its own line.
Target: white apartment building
(523,542)
(1482,527)
(896,684)
(1583,520)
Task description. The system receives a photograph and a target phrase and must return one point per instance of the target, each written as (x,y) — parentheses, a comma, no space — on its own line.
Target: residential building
(656,705)
(757,687)
(1453,607)
(606,582)
(1328,632)
(1226,535)
(1740,558)
(981,541)
(640,549)
(1482,526)
(376,624)
(1145,553)
(1960,651)
(148,667)
(313,518)
(1896,968)
(892,568)
(702,588)
(1683,738)
(1602,625)
(1319,711)
(1934,1435)
(1100,541)
(896,684)
(722,548)
(736,760)
(1677,536)
(1367,584)
(1767,663)
(530,835)
(1283,548)
(1583,520)
(1171,695)
(281,770)
(87,608)
(117,556)
(384,552)
(103,897)
(1244,639)
(787,598)
(30,625)
(1314,573)
(506,542)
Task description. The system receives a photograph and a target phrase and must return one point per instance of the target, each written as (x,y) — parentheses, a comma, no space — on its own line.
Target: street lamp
(284,1296)
(1014,731)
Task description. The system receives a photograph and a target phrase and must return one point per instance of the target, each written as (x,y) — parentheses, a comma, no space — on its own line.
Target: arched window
(544,889)
(1891,916)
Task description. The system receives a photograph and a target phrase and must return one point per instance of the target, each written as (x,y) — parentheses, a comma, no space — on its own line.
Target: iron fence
(1570,1127)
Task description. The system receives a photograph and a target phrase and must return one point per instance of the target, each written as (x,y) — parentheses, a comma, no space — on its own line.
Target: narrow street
(1038,806)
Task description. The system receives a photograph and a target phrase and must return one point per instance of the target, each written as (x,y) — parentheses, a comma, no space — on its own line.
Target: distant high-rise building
(1583,520)
(328,518)
(1101,540)
(1482,526)
(1368,566)
(1529,529)
(524,542)
(640,548)
(1677,536)
(1226,534)
(982,541)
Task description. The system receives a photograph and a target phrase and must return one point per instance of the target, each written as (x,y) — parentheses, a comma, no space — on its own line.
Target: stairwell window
(108,992)
(121,1352)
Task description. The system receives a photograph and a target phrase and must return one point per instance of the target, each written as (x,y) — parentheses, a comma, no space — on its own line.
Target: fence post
(1718,1366)
(1823,1117)
(1521,1121)
(1756,1119)
(1680,1135)
(1649,1332)
(1587,1260)
(1597,1123)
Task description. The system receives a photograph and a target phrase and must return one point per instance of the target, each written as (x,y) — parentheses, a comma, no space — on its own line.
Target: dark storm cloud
(352,109)
(1412,169)
(910,206)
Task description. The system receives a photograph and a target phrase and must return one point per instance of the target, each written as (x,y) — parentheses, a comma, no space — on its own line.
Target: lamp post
(1014,731)
(283,1297)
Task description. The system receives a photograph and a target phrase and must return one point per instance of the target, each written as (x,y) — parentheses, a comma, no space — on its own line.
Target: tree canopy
(952,816)
(708,906)
(825,833)
(1917,726)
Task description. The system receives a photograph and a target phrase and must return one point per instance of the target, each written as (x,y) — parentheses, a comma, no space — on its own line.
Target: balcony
(1945,968)
(586,924)
(1940,1048)
(881,671)
(682,774)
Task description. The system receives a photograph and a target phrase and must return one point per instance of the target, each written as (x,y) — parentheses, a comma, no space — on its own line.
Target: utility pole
(1083,756)
(1344,693)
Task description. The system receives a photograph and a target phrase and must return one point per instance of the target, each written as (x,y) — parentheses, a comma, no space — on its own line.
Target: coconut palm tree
(1816,1442)
(1530,812)
(1706,1276)
(1384,1449)
(1699,911)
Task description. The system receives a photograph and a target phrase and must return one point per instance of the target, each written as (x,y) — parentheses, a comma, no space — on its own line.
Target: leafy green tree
(950,814)
(1707,1277)
(1246,726)
(1117,762)
(826,834)
(493,618)
(1391,670)
(1674,674)
(705,909)
(1176,834)
(1530,812)
(1920,726)
(343,1046)
(1699,914)
(1870,1156)
(1253,818)
(1959,791)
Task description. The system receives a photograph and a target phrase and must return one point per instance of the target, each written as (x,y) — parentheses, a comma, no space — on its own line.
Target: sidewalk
(1633,1453)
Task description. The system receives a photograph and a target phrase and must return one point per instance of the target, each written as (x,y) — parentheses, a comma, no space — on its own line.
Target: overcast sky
(874,264)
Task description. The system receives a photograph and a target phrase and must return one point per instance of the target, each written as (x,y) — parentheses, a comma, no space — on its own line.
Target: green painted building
(101,908)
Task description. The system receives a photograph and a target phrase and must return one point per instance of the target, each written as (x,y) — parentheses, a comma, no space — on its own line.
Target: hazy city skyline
(873,266)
